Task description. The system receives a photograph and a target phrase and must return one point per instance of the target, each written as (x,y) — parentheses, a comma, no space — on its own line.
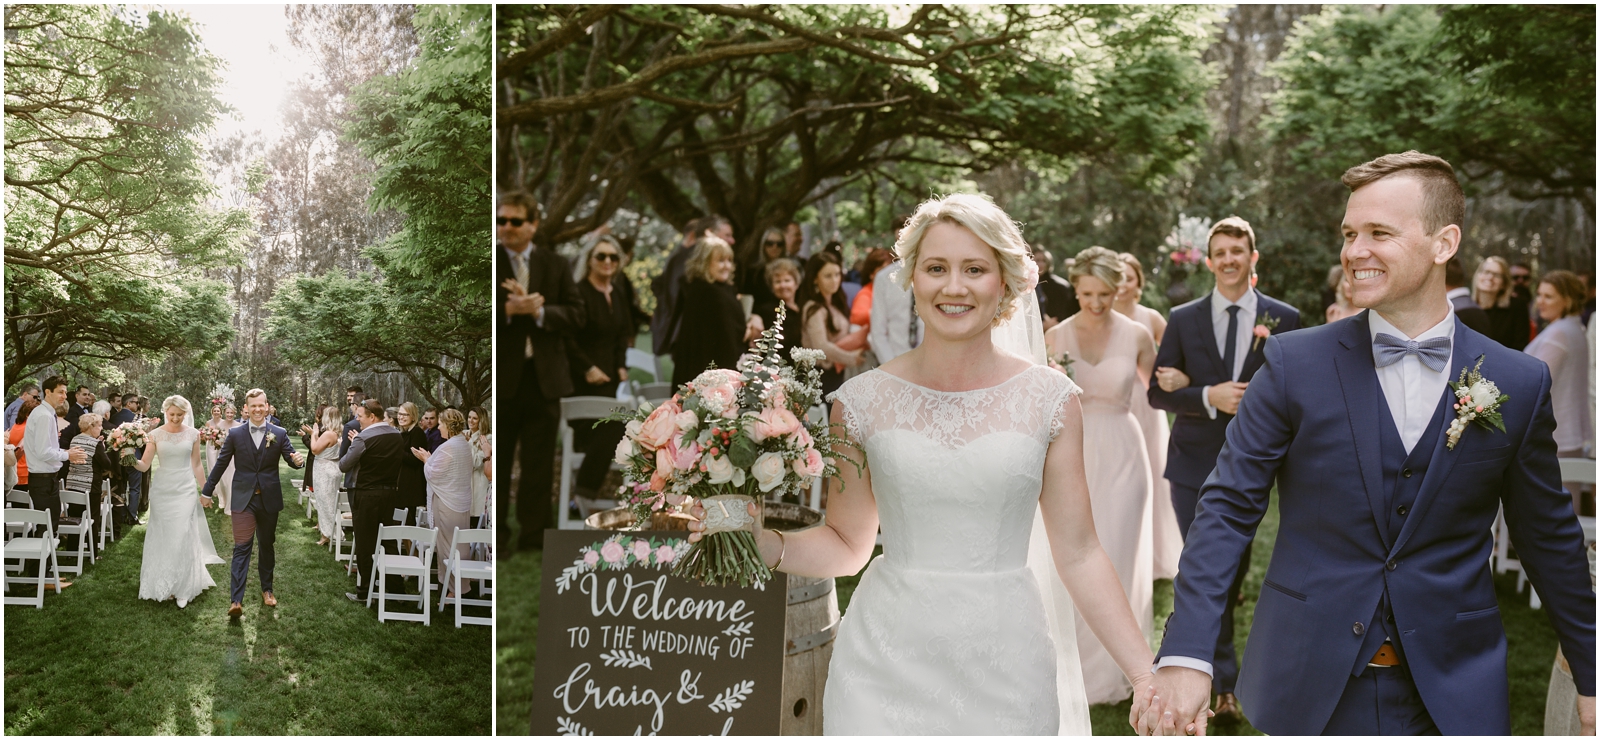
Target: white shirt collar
(1377,323)
(1219,304)
(523,253)
(1455,293)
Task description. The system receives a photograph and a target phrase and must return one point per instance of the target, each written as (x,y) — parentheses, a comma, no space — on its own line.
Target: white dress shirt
(1411,388)
(258,433)
(894,329)
(1241,341)
(41,441)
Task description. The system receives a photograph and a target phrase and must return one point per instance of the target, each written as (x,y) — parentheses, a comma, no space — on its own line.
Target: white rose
(769,471)
(634,427)
(719,470)
(625,450)
(1483,394)
(686,420)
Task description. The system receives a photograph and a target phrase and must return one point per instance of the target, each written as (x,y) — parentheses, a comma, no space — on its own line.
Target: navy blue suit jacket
(252,467)
(1190,345)
(1307,425)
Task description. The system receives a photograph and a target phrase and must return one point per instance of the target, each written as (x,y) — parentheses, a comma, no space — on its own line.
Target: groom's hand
(205,502)
(1586,715)
(1185,696)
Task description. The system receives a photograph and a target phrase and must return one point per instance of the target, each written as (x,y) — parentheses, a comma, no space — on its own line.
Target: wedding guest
(628,294)
(895,328)
(599,356)
(783,281)
(1455,280)
(1497,296)
(132,478)
(86,477)
(413,484)
(1564,347)
(28,391)
(391,414)
(668,286)
(824,317)
(1165,538)
(1521,278)
(536,308)
(861,307)
(353,397)
(713,325)
(449,474)
(430,427)
(41,442)
(1118,473)
(1207,357)
(309,479)
(324,445)
(794,241)
(482,441)
(1057,301)
(82,403)
(1341,308)
(15,433)
(376,456)
(754,282)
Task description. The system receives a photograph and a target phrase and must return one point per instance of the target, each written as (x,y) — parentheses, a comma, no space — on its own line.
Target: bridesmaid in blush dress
(1111,354)
(1166,538)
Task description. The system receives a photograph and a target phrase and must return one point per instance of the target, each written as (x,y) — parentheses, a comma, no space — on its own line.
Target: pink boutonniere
(1265,323)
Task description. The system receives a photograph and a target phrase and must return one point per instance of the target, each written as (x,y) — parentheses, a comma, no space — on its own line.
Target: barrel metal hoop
(813,640)
(802,594)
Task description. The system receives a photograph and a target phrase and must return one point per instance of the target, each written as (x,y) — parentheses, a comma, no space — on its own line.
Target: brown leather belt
(1386,657)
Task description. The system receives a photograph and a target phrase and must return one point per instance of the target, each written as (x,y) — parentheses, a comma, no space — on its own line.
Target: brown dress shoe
(268,599)
(235,609)
(57,586)
(1228,708)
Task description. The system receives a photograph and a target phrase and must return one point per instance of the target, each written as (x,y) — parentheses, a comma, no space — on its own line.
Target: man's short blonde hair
(979,215)
(252,393)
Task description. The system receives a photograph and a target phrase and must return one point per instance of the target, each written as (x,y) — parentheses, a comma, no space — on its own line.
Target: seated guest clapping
(449,473)
(712,328)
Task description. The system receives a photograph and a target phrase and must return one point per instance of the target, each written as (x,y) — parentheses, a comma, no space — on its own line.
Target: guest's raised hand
(513,287)
(1171,379)
(536,302)
(351,435)
(420,453)
(308,430)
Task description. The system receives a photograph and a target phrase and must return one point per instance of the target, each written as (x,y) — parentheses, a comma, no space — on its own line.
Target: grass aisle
(98,660)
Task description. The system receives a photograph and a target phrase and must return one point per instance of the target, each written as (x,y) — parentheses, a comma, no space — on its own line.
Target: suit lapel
(1257,354)
(1358,380)
(1468,347)
(1204,328)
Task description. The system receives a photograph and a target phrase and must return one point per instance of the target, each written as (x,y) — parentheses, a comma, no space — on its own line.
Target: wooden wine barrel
(810,621)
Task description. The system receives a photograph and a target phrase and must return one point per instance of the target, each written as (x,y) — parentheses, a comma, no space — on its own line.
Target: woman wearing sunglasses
(598,354)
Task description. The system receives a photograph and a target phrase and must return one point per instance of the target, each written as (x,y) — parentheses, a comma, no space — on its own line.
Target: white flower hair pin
(1477,400)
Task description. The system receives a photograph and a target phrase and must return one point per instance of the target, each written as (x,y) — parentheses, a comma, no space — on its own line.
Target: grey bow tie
(1388,349)
(254,429)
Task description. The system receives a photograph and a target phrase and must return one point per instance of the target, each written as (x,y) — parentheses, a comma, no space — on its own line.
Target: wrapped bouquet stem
(729,438)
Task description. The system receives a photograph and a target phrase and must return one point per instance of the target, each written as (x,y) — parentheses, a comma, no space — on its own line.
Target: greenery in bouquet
(727,438)
(125,439)
(211,436)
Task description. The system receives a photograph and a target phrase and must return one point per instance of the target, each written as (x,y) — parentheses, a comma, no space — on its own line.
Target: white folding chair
(23,549)
(337,542)
(309,499)
(108,532)
(386,564)
(638,359)
(654,392)
(457,570)
(584,409)
(18,498)
(83,529)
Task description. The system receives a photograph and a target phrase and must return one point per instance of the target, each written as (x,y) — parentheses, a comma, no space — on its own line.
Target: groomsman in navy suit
(1207,358)
(1378,614)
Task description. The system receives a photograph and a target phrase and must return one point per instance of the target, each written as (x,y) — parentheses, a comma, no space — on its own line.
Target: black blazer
(710,329)
(1190,345)
(604,341)
(1470,314)
(413,483)
(1509,325)
(549,276)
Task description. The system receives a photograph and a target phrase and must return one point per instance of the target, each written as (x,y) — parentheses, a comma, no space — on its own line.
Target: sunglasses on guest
(607,257)
(772,243)
(513,221)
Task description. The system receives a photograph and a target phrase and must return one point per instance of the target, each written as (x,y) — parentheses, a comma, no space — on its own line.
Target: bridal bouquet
(728,438)
(211,436)
(125,438)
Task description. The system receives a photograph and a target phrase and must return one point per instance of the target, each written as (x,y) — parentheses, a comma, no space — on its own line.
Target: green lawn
(98,660)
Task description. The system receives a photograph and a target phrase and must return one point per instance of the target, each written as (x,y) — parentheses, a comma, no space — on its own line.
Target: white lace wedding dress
(177,542)
(947,632)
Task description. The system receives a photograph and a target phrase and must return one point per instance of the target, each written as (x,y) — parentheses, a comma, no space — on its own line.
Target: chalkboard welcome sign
(625,648)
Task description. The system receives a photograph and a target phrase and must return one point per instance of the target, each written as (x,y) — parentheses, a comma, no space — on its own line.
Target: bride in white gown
(177,541)
(966,444)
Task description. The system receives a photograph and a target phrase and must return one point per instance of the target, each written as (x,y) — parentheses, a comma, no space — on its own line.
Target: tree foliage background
(185,258)
(1089,124)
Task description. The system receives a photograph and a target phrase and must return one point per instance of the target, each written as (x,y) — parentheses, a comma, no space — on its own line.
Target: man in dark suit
(536,308)
(82,402)
(1455,281)
(132,479)
(1378,614)
(1206,360)
(430,428)
(1057,300)
(353,396)
(374,459)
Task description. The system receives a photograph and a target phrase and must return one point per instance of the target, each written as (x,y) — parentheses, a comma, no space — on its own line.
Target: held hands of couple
(1173,702)
(1585,715)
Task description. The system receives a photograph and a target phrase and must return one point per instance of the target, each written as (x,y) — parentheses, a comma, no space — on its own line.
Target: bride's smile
(957,274)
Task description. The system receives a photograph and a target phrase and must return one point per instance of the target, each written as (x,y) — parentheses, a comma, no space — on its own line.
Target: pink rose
(720,376)
(612,552)
(659,427)
(1262,332)
(591,557)
(684,457)
(809,466)
(664,460)
(1031,275)
(641,551)
(665,554)
(773,423)
(802,438)
(725,397)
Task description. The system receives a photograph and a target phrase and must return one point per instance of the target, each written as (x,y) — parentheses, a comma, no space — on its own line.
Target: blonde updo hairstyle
(1097,262)
(979,215)
(706,250)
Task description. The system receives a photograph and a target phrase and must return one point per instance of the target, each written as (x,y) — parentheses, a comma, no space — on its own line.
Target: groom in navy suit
(1211,349)
(1378,614)
(255,449)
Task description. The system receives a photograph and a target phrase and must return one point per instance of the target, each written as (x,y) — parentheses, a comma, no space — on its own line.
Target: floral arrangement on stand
(221,399)
(125,439)
(729,438)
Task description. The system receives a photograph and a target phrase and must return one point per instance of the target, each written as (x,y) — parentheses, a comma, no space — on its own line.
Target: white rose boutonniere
(1477,400)
(268,438)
